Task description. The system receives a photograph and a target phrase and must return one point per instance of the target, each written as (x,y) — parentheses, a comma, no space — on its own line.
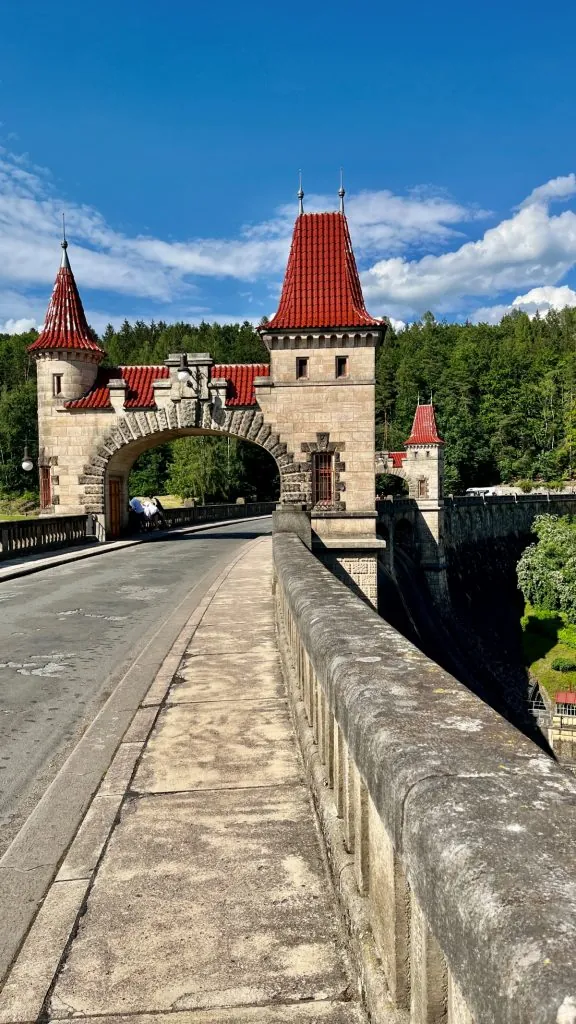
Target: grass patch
(10,519)
(543,636)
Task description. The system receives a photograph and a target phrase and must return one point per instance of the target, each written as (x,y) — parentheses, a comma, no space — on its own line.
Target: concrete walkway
(195,889)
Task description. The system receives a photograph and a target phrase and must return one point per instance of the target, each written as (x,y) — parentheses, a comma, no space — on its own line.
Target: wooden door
(114,506)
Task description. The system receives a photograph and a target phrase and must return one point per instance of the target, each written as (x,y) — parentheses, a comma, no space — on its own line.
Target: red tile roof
(241,381)
(397,459)
(65,326)
(139,393)
(565,697)
(321,286)
(424,429)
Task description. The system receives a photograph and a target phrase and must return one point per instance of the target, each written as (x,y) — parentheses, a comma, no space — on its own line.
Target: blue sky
(172,134)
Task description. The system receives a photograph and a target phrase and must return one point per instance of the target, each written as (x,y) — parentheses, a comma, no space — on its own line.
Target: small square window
(301,368)
(56,384)
(341,366)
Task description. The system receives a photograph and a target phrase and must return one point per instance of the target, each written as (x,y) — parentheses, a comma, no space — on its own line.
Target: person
(137,516)
(160,510)
(150,514)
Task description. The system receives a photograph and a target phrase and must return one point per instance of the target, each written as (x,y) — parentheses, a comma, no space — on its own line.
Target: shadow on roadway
(208,535)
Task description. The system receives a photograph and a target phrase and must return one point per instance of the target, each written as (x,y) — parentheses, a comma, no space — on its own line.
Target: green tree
(547,569)
(198,468)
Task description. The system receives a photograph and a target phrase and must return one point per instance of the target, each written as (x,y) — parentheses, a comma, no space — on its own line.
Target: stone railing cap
(482,818)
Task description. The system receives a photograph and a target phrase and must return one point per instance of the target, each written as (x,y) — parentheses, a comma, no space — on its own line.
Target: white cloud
(105,259)
(531,248)
(20,326)
(397,325)
(557,188)
(537,300)
(529,251)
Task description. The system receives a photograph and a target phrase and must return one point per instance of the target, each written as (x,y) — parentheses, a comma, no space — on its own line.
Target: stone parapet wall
(450,835)
(497,516)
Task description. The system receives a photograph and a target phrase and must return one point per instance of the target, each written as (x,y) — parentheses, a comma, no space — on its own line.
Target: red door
(114,506)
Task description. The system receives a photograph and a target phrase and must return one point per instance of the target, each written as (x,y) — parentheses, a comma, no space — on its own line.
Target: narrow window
(56,384)
(45,487)
(341,366)
(301,368)
(422,488)
(322,477)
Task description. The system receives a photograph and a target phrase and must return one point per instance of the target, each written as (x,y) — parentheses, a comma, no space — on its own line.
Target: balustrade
(28,536)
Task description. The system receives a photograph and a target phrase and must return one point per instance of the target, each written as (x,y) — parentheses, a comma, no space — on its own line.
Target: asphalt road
(69,634)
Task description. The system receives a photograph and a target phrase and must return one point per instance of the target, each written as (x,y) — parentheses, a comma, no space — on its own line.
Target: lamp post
(185,375)
(184,369)
(27,464)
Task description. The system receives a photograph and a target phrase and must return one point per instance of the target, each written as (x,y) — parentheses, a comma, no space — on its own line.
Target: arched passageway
(116,478)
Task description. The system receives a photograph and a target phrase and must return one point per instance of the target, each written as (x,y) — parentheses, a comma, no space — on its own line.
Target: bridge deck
(211,894)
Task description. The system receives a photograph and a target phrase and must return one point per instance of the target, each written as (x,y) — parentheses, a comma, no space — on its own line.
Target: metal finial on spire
(341,191)
(300,194)
(64,243)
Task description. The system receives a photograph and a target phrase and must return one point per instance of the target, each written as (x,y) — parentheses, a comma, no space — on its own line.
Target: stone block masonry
(436,813)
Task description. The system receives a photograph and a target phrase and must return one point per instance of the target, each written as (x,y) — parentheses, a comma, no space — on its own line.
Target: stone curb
(40,914)
(8,572)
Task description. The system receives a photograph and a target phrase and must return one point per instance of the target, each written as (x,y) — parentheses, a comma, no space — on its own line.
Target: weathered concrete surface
(470,807)
(211,895)
(303,1013)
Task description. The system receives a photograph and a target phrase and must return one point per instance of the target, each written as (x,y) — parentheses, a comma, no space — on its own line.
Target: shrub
(567,636)
(564,664)
(547,569)
(538,620)
(525,486)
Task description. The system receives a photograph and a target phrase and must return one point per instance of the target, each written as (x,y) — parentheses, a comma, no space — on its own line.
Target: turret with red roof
(66,350)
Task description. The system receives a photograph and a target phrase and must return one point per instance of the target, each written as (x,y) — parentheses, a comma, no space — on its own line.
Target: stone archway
(134,433)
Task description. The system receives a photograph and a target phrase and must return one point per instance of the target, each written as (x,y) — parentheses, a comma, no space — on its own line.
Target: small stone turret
(66,352)
(67,359)
(423,466)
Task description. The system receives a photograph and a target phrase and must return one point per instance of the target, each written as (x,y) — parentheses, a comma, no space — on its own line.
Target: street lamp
(27,464)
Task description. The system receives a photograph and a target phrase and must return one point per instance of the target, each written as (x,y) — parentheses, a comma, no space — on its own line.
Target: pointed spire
(65,326)
(300,195)
(424,429)
(64,262)
(321,286)
(341,191)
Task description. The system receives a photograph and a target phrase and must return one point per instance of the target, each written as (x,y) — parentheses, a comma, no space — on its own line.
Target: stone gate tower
(312,408)
(321,393)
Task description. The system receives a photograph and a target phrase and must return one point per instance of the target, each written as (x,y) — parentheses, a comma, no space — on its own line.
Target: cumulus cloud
(537,300)
(400,238)
(531,248)
(20,326)
(557,188)
(397,325)
(105,259)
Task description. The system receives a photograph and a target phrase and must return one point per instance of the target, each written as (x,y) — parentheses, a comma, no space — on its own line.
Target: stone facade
(313,411)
